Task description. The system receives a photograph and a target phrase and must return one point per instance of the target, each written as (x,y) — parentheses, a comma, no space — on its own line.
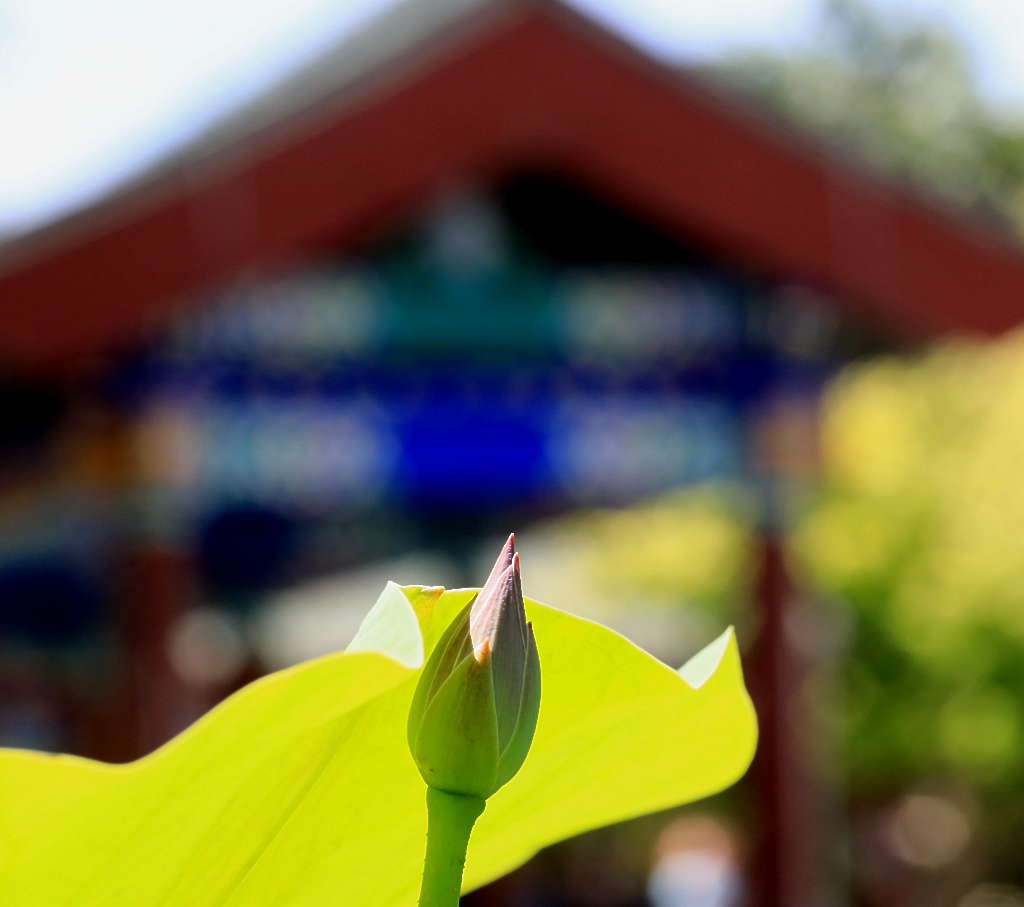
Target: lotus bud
(475,708)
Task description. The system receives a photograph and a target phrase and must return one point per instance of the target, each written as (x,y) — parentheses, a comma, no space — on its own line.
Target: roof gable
(509,84)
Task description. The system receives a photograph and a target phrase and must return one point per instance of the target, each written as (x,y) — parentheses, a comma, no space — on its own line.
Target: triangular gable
(510,85)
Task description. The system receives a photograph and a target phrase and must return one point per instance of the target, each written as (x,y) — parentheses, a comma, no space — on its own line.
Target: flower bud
(475,708)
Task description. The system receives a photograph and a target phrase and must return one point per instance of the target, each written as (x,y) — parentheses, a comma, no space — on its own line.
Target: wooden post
(792,849)
(157,583)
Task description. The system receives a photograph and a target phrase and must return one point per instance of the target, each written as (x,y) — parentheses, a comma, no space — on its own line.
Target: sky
(92,91)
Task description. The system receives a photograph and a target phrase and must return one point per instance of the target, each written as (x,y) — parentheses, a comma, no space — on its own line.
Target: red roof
(510,84)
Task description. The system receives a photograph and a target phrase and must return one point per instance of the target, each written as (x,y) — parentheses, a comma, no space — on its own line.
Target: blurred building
(481,263)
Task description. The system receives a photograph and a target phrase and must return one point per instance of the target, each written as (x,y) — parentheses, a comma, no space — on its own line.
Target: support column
(158,582)
(792,851)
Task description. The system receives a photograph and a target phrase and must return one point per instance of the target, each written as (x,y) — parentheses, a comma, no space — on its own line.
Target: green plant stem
(450,820)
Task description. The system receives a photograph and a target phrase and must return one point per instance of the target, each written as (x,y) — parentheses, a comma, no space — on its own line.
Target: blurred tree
(919,530)
(900,95)
(633,567)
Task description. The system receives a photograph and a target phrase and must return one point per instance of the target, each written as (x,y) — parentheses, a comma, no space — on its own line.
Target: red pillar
(789,856)
(789,865)
(156,585)
(157,590)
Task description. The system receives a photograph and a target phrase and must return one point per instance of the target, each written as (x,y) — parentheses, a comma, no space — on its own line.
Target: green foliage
(901,95)
(300,788)
(918,529)
(696,544)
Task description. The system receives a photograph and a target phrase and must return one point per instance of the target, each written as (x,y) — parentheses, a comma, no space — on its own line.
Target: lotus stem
(450,820)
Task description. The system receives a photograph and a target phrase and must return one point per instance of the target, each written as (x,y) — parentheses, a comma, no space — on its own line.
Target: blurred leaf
(899,92)
(917,530)
(300,790)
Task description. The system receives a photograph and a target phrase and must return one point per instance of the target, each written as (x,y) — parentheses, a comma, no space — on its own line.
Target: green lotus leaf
(299,789)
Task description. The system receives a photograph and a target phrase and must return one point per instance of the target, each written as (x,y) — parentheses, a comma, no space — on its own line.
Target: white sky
(93,89)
